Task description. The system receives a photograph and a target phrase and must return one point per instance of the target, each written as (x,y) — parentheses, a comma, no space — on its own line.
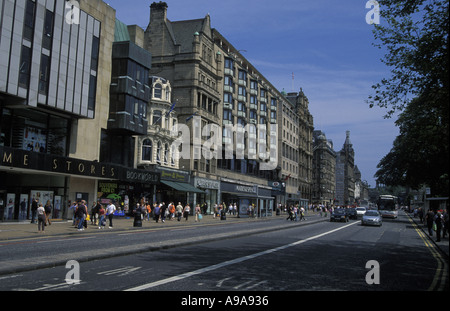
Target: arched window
(157,91)
(147,150)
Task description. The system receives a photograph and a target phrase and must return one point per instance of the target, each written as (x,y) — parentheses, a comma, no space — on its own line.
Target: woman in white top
(41,217)
(186,211)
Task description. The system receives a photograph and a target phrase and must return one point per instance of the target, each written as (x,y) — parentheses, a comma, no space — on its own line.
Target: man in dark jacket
(34,207)
(429,218)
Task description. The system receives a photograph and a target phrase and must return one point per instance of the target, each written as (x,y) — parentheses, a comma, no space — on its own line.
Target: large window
(48,30)
(157,117)
(157,91)
(25,67)
(44,74)
(95,52)
(158,152)
(28,29)
(34,131)
(147,150)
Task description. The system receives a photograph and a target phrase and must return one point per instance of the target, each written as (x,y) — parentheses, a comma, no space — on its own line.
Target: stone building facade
(345,176)
(324,170)
(215,85)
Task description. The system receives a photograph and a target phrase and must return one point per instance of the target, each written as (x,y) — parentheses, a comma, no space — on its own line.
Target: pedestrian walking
(445,218)
(149,210)
(34,207)
(171,211)
(80,214)
(164,211)
(48,212)
(197,212)
(186,211)
(429,218)
(110,209)
(156,211)
(302,213)
(438,221)
(420,214)
(101,217)
(94,212)
(40,211)
(179,209)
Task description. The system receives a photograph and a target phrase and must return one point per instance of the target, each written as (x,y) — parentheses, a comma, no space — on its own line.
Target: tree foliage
(415,34)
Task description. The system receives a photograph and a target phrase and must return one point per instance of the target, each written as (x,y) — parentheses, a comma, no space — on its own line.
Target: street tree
(415,35)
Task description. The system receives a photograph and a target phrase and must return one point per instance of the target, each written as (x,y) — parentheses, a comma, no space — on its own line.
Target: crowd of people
(436,221)
(99,214)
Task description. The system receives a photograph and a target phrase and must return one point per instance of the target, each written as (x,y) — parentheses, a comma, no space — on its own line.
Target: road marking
(48,287)
(440,276)
(120,271)
(231,262)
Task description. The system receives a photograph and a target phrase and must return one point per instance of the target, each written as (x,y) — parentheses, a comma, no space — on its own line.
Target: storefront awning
(181,186)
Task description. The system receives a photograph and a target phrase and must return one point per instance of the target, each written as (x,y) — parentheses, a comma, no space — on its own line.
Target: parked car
(352,214)
(372,218)
(339,214)
(360,211)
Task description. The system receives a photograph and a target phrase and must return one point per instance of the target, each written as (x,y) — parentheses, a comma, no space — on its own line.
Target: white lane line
(231,262)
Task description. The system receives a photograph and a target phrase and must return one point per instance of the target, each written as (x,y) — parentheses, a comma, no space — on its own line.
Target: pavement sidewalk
(22,230)
(442,245)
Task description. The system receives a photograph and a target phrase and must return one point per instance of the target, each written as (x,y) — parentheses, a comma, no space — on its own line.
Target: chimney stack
(158,10)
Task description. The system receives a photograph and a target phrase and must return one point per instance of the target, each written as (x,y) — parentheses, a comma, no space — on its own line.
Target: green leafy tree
(415,35)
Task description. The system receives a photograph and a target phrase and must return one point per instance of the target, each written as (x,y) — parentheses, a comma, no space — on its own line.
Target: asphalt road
(318,257)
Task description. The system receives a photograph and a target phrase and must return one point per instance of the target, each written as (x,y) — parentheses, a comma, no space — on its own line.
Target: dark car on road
(352,214)
(339,214)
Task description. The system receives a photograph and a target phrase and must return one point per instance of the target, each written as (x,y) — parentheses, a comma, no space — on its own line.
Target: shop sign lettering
(248,189)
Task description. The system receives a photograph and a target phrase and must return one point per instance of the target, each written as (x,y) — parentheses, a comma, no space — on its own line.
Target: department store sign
(18,158)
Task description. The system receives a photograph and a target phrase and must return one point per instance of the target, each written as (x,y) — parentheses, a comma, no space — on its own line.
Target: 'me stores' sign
(18,158)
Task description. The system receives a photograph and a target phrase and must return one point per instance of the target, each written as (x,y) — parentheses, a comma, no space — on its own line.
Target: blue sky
(327,44)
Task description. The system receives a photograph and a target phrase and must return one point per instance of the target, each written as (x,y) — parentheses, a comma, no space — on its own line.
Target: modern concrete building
(54,99)
(60,141)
